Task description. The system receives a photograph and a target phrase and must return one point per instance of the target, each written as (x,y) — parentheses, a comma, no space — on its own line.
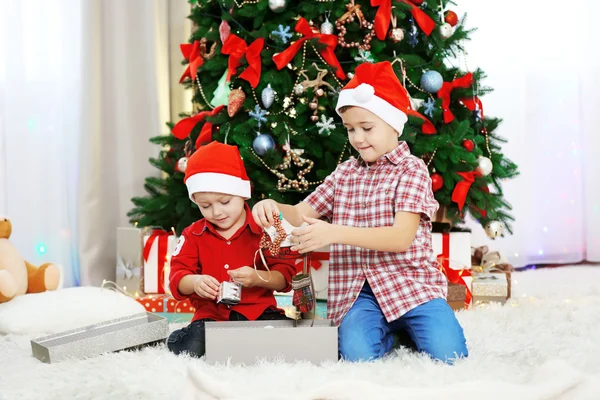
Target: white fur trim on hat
(364,96)
(217,183)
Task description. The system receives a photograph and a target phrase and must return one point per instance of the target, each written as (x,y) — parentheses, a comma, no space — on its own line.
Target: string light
(41,248)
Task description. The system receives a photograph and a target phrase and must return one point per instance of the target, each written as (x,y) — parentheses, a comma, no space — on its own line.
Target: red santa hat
(217,168)
(376,88)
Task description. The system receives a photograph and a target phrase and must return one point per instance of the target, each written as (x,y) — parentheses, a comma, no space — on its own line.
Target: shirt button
(229,242)
(365,266)
(226,266)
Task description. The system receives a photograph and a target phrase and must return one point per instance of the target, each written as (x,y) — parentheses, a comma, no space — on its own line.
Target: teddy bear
(17,276)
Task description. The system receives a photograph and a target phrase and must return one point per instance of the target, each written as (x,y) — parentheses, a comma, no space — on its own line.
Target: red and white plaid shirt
(369,196)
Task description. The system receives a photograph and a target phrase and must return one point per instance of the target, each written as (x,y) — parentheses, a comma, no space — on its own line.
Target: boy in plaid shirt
(384,278)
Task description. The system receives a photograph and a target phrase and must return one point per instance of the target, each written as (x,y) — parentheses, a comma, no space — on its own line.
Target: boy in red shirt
(222,247)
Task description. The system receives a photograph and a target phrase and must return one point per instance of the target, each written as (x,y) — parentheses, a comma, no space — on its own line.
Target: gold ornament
(235,101)
(354,11)
(284,183)
(313,83)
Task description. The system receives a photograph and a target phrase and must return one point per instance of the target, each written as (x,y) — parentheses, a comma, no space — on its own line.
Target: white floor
(544,344)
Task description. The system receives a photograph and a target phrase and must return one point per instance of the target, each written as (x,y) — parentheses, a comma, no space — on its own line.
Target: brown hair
(344,109)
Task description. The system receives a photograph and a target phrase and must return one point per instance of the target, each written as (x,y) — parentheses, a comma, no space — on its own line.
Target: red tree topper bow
(185,126)
(446,90)
(302,26)
(459,195)
(191,52)
(237,48)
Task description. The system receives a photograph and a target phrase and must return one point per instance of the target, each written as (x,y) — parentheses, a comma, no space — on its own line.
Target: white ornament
(363,93)
(326,27)
(326,125)
(182,164)
(446,30)
(277,5)
(494,229)
(268,96)
(299,89)
(485,165)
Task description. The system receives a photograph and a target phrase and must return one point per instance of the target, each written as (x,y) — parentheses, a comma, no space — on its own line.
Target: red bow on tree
(302,26)
(384,15)
(185,126)
(421,18)
(472,104)
(191,52)
(446,90)
(459,195)
(237,48)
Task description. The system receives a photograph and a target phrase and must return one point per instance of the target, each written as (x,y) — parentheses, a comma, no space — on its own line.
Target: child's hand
(312,237)
(244,275)
(263,212)
(207,287)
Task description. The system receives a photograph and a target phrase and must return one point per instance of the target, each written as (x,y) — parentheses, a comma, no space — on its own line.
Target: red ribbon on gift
(446,90)
(453,275)
(421,18)
(191,52)
(184,127)
(161,257)
(303,27)
(314,260)
(459,195)
(237,48)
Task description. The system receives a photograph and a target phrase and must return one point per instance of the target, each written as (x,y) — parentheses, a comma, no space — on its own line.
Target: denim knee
(360,341)
(189,340)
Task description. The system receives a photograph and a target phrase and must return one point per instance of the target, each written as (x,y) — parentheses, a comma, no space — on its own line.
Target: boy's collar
(393,156)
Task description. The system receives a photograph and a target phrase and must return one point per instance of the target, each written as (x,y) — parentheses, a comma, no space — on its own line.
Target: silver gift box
(248,342)
(130,332)
(490,287)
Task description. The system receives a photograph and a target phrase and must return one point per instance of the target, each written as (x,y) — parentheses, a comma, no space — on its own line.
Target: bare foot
(51,276)
(8,287)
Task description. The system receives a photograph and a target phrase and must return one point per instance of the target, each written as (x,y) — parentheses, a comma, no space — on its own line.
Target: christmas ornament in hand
(432,81)
(263,143)
(277,6)
(437,182)
(493,229)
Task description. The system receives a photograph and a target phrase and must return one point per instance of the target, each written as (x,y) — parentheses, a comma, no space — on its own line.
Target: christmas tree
(266,75)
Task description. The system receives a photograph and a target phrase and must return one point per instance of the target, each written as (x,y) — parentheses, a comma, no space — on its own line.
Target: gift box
(453,247)
(158,247)
(485,261)
(306,340)
(489,287)
(182,306)
(129,259)
(154,303)
(131,332)
(457,296)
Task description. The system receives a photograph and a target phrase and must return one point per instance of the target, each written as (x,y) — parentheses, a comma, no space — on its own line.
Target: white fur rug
(544,344)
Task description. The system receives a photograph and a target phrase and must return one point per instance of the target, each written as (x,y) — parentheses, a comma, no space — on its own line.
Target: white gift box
(156,271)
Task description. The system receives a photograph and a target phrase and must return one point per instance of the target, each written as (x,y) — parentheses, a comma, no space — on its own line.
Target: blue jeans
(431,328)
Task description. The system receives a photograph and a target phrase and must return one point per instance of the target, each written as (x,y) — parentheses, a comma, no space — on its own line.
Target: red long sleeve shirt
(202,250)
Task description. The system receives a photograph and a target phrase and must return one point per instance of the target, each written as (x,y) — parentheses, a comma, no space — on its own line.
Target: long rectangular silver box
(248,342)
(130,332)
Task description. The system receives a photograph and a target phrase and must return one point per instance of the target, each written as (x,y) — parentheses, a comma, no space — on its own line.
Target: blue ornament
(429,107)
(432,81)
(263,143)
